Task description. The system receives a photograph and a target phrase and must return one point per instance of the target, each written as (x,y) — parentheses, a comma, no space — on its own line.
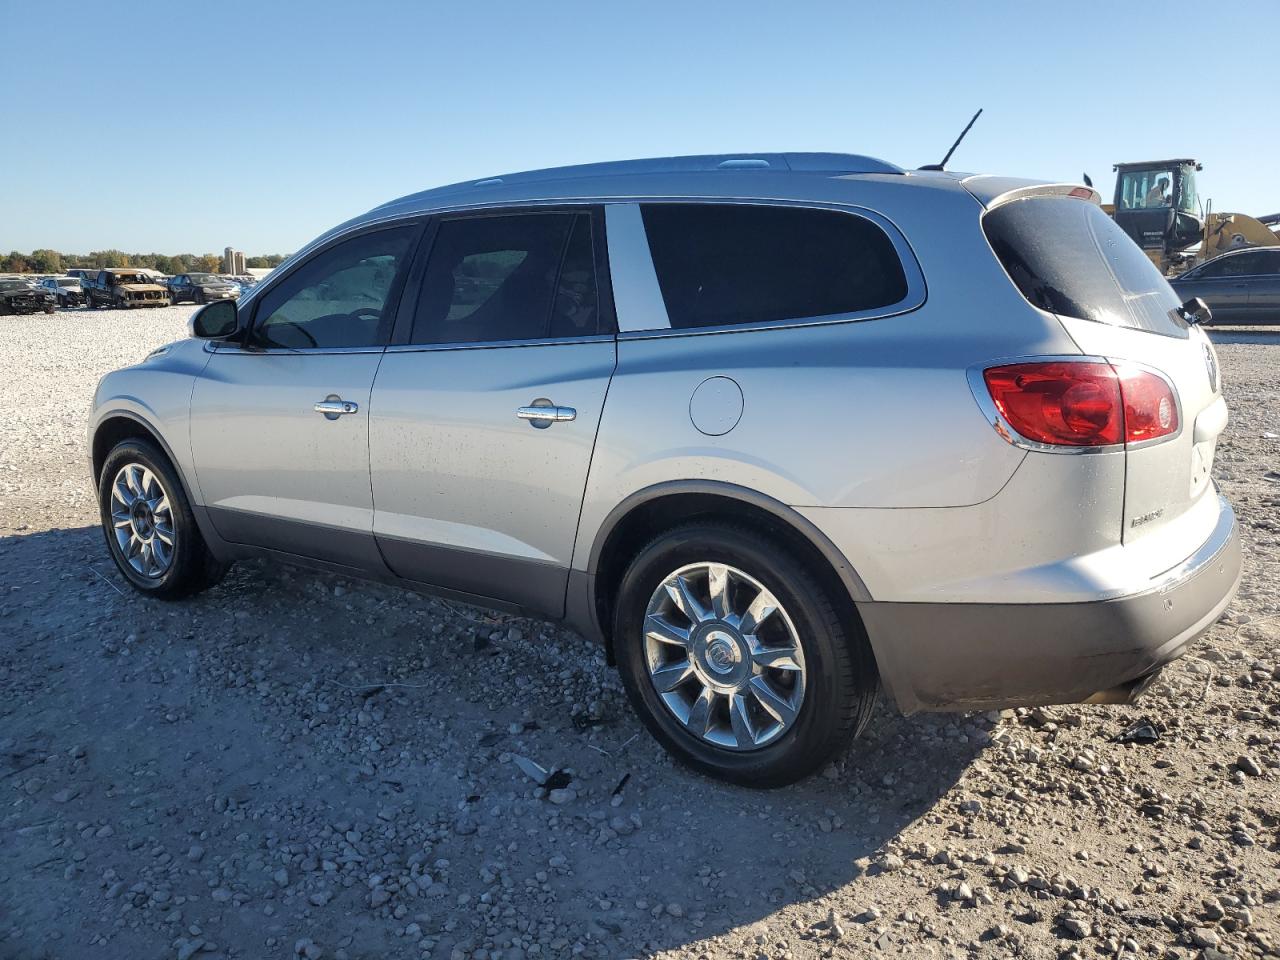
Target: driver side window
(339,298)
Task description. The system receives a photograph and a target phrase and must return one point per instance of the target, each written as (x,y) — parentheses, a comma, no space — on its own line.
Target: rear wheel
(736,658)
(149,527)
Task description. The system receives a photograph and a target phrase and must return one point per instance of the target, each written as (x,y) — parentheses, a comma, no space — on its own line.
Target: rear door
(474,491)
(1070,258)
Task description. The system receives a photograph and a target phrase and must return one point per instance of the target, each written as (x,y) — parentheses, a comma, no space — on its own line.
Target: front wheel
(149,527)
(736,657)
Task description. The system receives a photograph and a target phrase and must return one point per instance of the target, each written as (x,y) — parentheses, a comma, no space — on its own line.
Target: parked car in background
(24,296)
(66,290)
(201,288)
(1242,286)
(715,422)
(122,287)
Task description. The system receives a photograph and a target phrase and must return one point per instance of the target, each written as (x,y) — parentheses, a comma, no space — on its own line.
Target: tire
(190,566)
(831,683)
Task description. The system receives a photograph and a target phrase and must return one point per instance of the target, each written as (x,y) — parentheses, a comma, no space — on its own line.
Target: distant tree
(46,261)
(109,258)
(15,263)
(209,263)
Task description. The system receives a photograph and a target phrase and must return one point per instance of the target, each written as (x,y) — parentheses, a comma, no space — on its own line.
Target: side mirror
(216,321)
(1196,311)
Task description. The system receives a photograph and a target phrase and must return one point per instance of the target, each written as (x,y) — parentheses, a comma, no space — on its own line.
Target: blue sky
(185,129)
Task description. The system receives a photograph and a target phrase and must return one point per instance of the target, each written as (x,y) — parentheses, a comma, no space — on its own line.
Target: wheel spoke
(772,701)
(743,735)
(776,659)
(120,491)
(718,588)
(668,677)
(682,596)
(761,609)
(164,534)
(700,712)
(660,629)
(142,520)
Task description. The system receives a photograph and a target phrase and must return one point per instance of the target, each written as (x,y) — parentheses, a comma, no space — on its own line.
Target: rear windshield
(1068,257)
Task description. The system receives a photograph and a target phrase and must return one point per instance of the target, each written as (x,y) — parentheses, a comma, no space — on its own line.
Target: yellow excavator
(1157,205)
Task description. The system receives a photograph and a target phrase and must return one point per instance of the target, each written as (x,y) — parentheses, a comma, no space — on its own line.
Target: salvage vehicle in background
(123,287)
(702,409)
(66,290)
(1242,286)
(24,296)
(200,288)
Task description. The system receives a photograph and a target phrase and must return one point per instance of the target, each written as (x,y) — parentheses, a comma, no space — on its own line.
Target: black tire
(840,673)
(193,567)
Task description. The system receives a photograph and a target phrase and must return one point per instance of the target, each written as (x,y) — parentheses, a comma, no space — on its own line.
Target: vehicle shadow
(677,860)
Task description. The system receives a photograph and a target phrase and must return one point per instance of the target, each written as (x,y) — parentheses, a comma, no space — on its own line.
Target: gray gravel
(294,765)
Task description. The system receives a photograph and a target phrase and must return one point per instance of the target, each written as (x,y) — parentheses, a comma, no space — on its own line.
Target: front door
(485,415)
(280,422)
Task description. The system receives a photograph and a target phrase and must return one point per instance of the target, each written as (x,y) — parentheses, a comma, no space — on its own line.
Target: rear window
(1068,257)
(738,263)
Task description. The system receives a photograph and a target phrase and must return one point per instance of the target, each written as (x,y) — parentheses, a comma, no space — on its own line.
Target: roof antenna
(943,164)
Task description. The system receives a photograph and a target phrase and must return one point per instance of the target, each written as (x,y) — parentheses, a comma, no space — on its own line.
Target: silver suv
(774,428)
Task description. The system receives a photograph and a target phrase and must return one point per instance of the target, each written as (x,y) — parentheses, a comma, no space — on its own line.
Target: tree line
(53,261)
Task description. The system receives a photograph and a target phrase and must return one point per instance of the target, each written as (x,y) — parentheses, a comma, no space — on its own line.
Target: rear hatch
(1069,258)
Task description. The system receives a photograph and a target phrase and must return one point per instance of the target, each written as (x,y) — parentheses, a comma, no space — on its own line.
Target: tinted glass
(338,298)
(1240,265)
(519,277)
(738,263)
(1068,257)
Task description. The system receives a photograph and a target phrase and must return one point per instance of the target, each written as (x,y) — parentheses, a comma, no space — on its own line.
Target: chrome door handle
(333,408)
(543,413)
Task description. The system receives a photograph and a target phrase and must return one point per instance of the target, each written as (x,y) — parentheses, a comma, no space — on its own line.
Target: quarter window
(516,277)
(338,298)
(740,263)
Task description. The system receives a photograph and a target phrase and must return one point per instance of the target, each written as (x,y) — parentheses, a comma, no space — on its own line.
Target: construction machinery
(1157,205)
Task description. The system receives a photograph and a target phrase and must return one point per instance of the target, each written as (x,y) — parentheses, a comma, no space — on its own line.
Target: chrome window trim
(906,254)
(498,344)
(1006,430)
(221,346)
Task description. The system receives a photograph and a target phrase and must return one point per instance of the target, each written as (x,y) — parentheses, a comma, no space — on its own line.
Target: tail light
(1083,403)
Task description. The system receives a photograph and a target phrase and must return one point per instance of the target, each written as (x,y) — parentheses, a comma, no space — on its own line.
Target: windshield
(1146,189)
(1068,257)
(13,284)
(203,278)
(130,278)
(68,282)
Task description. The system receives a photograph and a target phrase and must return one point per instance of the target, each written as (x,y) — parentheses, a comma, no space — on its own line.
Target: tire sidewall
(189,544)
(793,754)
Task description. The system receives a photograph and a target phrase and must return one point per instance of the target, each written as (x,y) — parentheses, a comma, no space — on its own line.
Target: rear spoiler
(992,191)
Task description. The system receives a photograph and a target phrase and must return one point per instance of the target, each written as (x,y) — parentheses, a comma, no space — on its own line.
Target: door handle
(333,407)
(543,413)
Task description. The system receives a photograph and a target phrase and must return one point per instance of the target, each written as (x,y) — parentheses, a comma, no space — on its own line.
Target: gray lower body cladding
(971,656)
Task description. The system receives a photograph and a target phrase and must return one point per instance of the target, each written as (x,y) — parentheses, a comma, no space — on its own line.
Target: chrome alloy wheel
(724,656)
(142,520)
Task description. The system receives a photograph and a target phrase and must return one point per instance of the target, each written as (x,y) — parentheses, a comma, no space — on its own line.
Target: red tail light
(1082,403)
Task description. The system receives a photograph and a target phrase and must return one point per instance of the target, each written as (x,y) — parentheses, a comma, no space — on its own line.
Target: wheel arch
(647,512)
(120,425)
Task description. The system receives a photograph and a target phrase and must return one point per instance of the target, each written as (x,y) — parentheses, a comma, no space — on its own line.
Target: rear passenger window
(518,277)
(741,263)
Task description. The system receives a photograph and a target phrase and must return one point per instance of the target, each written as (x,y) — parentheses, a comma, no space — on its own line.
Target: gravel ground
(296,765)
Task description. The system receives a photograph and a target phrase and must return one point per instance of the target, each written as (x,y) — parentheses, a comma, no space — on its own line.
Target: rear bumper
(965,656)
